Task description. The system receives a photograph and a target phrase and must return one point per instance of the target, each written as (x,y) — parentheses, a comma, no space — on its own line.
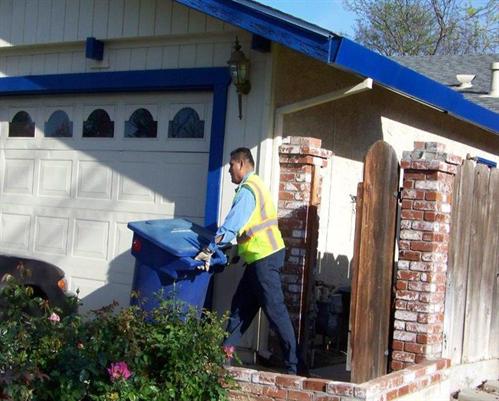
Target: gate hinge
(398,194)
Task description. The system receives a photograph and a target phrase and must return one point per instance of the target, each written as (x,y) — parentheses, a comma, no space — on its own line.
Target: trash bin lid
(180,237)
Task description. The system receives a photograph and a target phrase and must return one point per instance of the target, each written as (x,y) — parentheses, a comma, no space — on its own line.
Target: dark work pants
(260,286)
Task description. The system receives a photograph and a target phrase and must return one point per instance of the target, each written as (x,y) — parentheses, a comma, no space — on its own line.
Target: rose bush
(112,354)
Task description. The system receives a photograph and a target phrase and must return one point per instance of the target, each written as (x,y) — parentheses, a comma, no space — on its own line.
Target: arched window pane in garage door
(186,124)
(22,125)
(98,125)
(59,125)
(141,125)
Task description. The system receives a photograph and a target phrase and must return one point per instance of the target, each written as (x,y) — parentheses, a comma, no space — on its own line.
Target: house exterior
(145,132)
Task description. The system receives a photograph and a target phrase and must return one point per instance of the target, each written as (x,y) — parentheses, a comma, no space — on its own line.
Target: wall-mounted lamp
(239,66)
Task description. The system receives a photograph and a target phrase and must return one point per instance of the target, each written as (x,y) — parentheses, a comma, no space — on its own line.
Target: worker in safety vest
(252,221)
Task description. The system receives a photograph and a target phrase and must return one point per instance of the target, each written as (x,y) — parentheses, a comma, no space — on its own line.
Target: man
(252,220)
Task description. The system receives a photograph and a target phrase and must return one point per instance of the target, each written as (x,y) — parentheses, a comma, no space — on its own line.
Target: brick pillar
(423,250)
(301,160)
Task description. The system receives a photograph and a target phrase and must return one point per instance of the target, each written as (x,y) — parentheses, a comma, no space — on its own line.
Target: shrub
(110,355)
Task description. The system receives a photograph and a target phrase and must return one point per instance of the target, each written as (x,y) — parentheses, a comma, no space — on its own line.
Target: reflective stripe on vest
(261,236)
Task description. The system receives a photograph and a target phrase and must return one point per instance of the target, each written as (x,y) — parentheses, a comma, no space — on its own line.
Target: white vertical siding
(5,21)
(85,19)
(147,17)
(115,19)
(71,20)
(57,18)
(56,21)
(101,16)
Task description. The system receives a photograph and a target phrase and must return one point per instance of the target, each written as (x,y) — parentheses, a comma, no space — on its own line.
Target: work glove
(205,256)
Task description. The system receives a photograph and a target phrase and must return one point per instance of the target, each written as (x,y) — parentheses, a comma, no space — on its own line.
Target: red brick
(315,384)
(435,237)
(290,381)
(397,365)
(424,205)
(443,363)
(264,377)
(403,356)
(409,193)
(407,295)
(423,246)
(414,176)
(415,348)
(391,395)
(429,338)
(298,395)
(436,216)
(401,285)
(397,345)
(338,388)
(407,204)
(408,275)
(323,397)
(412,214)
(436,196)
(274,392)
(404,390)
(410,255)
(404,245)
(251,388)
(408,184)
(420,358)
(400,304)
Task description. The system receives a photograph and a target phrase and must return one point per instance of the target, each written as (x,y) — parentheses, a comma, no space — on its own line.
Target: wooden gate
(373,263)
(472,302)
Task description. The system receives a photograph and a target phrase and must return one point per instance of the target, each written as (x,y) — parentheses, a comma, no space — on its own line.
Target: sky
(329,14)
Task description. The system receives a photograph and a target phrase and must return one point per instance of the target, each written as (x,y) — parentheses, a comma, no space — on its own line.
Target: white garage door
(76,169)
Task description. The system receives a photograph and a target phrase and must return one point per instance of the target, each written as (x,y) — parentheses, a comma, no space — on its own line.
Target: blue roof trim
(303,39)
(118,81)
(346,54)
(216,79)
(390,74)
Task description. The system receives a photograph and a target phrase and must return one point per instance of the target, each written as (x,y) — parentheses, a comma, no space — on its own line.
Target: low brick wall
(266,386)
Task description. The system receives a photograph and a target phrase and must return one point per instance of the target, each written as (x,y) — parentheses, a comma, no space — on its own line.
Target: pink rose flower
(54,318)
(229,351)
(118,370)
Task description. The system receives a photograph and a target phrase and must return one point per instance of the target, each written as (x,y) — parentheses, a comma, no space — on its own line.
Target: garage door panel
(55,178)
(51,234)
(137,181)
(94,180)
(18,176)
(15,230)
(91,238)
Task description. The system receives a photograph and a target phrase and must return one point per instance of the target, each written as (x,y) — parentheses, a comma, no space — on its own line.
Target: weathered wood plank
(355,269)
(370,334)
(473,328)
(457,270)
(491,263)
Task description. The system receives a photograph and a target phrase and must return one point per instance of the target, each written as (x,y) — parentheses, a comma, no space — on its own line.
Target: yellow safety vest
(260,237)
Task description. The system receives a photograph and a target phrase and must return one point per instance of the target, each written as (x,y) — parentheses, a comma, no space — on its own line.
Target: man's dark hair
(242,154)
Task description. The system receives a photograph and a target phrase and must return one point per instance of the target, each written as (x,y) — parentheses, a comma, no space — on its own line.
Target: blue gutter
(345,54)
(216,79)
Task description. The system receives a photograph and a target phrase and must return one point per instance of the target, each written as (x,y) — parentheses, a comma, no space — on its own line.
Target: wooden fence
(372,264)
(471,323)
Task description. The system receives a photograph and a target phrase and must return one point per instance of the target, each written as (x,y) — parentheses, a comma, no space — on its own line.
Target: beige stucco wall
(348,127)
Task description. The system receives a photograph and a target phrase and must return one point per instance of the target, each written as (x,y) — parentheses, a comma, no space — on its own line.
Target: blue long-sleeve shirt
(242,207)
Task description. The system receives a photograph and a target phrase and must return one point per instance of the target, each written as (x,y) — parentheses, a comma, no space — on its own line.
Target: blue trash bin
(164,251)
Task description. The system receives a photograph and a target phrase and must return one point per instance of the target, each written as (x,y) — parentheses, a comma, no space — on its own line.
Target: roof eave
(333,49)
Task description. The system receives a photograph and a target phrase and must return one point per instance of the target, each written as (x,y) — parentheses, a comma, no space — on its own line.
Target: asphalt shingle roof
(444,69)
